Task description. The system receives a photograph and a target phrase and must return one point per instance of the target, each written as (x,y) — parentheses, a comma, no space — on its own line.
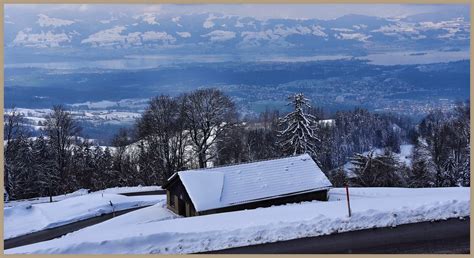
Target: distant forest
(203,128)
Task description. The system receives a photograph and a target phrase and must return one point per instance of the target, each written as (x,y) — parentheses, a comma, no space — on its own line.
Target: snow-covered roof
(231,185)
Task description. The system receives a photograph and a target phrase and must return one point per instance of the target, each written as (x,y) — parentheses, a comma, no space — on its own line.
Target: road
(56,232)
(449,236)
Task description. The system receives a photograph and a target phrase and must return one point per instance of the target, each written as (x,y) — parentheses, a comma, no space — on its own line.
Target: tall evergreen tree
(299,135)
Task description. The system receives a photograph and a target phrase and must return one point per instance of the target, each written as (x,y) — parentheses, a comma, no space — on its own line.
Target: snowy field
(156,230)
(116,190)
(26,218)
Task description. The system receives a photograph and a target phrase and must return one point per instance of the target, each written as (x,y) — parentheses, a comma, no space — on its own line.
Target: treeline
(202,129)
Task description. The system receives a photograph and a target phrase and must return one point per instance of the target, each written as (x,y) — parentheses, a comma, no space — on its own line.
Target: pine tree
(379,171)
(299,135)
(423,169)
(44,167)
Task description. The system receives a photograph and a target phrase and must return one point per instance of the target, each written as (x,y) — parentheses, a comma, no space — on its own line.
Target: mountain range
(61,36)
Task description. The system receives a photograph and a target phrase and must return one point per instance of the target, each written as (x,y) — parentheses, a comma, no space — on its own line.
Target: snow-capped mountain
(95,34)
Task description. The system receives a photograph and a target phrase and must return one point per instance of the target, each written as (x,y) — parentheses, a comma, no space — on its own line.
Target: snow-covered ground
(27,218)
(156,230)
(45,199)
(131,189)
(126,189)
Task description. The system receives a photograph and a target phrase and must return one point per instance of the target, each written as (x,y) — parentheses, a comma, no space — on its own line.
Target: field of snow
(27,218)
(130,189)
(96,116)
(156,230)
(116,190)
(45,199)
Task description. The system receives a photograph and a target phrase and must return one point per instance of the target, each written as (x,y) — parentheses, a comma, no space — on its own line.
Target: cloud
(279,33)
(287,31)
(184,34)
(176,20)
(108,37)
(133,39)
(152,36)
(318,31)
(253,37)
(342,29)
(116,37)
(353,36)
(359,26)
(40,40)
(149,18)
(105,21)
(46,21)
(220,35)
(404,30)
(208,23)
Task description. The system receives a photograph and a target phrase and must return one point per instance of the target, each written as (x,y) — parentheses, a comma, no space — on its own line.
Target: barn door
(181,207)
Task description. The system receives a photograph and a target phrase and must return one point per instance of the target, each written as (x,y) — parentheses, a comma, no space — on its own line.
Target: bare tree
(209,113)
(62,132)
(162,126)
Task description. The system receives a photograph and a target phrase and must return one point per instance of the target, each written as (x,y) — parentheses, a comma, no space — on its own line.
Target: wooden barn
(246,186)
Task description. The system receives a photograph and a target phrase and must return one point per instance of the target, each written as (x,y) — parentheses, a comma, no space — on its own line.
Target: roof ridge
(243,163)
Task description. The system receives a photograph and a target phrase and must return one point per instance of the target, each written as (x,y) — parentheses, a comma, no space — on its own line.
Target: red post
(348,201)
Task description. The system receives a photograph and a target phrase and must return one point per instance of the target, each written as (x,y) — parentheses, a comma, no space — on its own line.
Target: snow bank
(28,218)
(142,233)
(131,189)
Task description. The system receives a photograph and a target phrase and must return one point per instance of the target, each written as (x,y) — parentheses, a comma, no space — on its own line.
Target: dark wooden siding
(319,195)
(177,199)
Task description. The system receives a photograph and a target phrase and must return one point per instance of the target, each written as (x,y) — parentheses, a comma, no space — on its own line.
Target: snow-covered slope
(130,189)
(152,230)
(28,218)
(115,190)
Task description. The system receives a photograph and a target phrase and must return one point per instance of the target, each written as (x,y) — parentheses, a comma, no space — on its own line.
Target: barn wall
(183,204)
(319,195)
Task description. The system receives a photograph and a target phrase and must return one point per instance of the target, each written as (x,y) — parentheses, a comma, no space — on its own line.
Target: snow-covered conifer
(299,135)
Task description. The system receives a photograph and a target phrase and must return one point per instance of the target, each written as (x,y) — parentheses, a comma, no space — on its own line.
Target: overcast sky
(260,11)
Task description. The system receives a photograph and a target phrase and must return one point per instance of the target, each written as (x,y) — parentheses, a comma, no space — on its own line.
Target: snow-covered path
(153,230)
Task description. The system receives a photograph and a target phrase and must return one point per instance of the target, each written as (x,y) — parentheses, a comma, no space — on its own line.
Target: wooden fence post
(348,201)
